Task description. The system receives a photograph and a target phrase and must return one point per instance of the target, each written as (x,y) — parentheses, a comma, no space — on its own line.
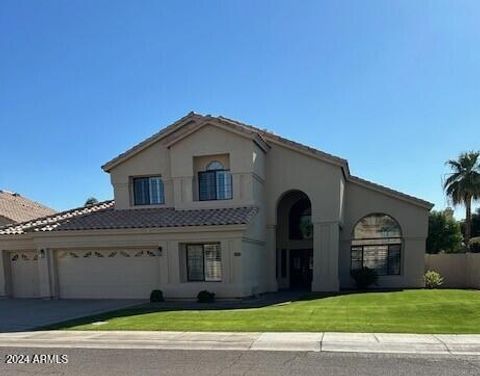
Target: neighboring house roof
(265,136)
(102,216)
(15,208)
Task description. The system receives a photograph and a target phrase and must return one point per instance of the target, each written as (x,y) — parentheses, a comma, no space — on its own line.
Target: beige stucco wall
(154,160)
(242,259)
(213,141)
(261,176)
(286,170)
(261,179)
(458,270)
(179,162)
(413,220)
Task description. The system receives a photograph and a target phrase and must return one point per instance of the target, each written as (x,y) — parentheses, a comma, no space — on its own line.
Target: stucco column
(271,248)
(325,256)
(4,260)
(46,274)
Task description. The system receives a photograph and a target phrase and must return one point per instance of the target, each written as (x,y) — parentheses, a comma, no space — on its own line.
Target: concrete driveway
(18,315)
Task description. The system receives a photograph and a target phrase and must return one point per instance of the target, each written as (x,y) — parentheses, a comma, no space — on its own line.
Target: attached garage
(24,274)
(114,274)
(97,252)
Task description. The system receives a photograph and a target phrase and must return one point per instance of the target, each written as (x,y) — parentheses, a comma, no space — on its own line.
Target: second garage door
(108,274)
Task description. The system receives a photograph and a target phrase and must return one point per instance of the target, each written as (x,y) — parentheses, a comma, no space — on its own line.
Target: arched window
(377,244)
(215,165)
(300,220)
(215,183)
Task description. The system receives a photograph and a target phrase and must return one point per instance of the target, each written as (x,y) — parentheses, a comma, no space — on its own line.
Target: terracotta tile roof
(102,216)
(50,222)
(15,208)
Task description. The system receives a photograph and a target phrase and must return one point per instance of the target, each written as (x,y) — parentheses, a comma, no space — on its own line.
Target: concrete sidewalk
(319,342)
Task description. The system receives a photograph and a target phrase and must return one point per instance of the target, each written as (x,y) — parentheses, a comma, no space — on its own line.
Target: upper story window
(215,183)
(148,191)
(377,244)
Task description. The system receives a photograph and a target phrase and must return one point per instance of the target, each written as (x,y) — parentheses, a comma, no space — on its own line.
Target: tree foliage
(444,234)
(463,185)
(91,201)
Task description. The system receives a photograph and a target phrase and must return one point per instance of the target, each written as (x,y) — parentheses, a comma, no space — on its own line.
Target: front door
(301,268)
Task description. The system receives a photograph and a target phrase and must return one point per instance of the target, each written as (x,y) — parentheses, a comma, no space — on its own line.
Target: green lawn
(408,311)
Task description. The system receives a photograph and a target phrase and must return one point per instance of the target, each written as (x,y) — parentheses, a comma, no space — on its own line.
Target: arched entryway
(294,240)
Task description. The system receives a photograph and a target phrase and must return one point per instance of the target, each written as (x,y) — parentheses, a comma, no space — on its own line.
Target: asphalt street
(161,362)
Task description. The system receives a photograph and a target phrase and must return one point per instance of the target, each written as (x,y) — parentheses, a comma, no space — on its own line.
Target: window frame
(204,262)
(359,245)
(215,174)
(149,178)
(387,245)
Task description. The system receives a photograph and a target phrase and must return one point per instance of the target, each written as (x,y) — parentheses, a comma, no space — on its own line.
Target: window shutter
(356,257)
(376,257)
(224,185)
(213,262)
(156,191)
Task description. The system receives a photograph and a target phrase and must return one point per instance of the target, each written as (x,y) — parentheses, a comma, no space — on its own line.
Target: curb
(298,342)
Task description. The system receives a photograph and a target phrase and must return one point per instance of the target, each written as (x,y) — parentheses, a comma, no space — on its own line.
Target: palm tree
(463,185)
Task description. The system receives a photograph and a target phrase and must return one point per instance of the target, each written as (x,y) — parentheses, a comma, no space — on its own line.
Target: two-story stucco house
(211,203)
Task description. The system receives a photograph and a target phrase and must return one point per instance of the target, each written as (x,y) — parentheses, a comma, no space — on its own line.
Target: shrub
(156,296)
(444,234)
(364,277)
(205,296)
(475,245)
(433,279)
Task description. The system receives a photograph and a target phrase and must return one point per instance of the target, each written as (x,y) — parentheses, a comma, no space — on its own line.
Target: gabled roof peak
(263,137)
(263,134)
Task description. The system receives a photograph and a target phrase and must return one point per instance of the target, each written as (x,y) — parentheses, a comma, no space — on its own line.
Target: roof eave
(134,150)
(391,192)
(119,231)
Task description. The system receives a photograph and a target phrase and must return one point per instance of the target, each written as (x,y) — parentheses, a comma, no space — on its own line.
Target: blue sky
(392,86)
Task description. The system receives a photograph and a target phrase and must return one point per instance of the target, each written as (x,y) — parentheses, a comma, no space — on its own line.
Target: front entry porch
(301,269)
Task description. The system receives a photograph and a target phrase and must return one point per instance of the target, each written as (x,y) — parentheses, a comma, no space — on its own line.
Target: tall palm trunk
(468,220)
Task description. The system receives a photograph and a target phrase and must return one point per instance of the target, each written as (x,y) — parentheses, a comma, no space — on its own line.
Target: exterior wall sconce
(160,249)
(41,253)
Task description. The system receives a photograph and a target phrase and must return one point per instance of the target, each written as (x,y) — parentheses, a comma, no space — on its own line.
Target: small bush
(433,279)
(156,296)
(205,296)
(475,245)
(364,277)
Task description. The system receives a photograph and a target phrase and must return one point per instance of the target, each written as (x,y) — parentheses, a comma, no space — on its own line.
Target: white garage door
(117,274)
(24,269)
